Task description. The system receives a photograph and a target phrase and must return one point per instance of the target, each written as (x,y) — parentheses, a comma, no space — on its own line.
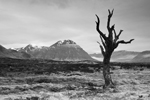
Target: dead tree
(108,44)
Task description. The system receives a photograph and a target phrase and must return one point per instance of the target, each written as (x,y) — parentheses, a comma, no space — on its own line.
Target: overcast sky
(44,22)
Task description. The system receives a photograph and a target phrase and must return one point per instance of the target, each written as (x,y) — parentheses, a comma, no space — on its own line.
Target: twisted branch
(123,42)
(104,44)
(109,18)
(97,28)
(102,49)
(110,29)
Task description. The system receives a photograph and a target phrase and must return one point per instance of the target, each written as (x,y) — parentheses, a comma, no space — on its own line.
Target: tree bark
(106,71)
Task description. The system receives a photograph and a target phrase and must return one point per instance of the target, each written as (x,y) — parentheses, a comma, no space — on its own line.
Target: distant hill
(142,57)
(118,56)
(66,50)
(10,53)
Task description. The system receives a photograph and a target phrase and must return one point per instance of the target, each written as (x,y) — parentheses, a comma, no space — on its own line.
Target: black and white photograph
(74,49)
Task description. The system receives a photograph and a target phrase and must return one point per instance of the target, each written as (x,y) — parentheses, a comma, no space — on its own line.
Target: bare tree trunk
(109,44)
(106,71)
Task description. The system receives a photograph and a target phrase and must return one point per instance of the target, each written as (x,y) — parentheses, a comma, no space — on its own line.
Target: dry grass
(131,85)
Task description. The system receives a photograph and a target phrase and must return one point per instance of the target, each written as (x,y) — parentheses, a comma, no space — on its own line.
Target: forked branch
(117,36)
(110,29)
(109,18)
(110,36)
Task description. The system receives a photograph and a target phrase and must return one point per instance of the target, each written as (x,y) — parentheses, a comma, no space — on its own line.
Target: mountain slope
(118,56)
(66,50)
(10,53)
(142,57)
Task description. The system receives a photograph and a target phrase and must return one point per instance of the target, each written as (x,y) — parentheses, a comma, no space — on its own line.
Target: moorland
(38,79)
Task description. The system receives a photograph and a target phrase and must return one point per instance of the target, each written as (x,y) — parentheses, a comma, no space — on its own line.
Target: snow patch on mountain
(65,42)
(66,50)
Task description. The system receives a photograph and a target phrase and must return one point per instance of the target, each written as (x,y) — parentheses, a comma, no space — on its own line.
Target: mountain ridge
(66,50)
(118,56)
(11,53)
(142,57)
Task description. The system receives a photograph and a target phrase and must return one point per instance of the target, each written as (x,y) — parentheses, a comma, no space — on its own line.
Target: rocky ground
(131,84)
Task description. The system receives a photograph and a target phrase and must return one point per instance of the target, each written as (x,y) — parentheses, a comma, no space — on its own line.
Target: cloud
(44,22)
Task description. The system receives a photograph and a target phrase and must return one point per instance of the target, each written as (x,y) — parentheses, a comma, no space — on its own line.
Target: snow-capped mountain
(28,48)
(65,42)
(10,53)
(66,50)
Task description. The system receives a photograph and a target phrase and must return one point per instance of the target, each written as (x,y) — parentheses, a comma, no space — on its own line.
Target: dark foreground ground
(53,80)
